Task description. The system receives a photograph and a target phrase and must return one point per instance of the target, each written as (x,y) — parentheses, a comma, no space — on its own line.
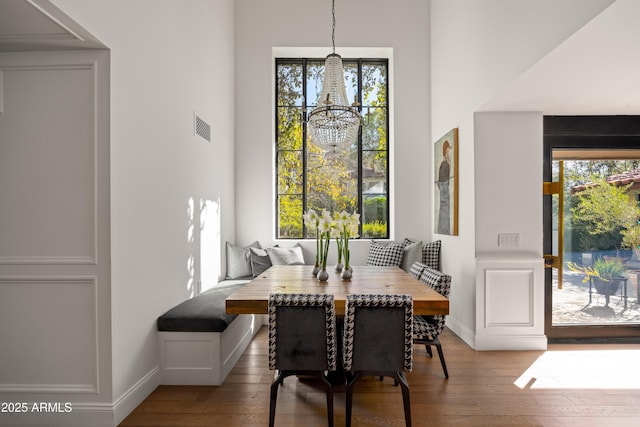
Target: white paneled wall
(510,304)
(55,341)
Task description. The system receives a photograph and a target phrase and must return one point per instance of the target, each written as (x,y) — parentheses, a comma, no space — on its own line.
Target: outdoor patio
(571,303)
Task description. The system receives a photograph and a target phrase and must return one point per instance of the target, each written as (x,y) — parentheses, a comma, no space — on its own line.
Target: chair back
(417,268)
(378,333)
(439,282)
(302,332)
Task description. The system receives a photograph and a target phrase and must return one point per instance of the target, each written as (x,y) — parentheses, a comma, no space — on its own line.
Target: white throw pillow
(239,260)
(286,256)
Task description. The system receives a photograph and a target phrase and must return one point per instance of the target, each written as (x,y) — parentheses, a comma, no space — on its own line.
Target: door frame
(589,133)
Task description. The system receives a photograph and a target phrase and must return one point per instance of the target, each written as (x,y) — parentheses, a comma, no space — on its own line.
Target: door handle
(551,261)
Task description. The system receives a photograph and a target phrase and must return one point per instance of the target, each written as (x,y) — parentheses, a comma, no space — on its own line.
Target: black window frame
(306,109)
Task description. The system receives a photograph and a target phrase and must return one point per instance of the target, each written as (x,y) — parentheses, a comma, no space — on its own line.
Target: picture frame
(445,187)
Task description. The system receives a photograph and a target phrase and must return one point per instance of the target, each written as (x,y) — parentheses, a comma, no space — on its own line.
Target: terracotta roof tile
(623,178)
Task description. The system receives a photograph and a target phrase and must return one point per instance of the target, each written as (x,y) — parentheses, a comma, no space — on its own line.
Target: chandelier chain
(333,27)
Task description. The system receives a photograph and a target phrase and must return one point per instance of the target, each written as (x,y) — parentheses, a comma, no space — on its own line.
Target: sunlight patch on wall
(209,243)
(191,270)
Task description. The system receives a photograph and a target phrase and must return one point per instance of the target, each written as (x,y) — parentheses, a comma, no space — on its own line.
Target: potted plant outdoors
(606,274)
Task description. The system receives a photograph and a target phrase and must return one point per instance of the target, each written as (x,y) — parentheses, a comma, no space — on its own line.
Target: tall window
(353,179)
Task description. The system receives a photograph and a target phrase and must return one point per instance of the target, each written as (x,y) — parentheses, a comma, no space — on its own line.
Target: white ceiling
(596,71)
(39,25)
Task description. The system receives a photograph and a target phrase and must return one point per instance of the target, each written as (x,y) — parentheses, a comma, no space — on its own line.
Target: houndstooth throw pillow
(385,255)
(431,254)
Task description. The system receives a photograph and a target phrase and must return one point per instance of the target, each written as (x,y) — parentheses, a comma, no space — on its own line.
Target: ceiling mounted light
(334,123)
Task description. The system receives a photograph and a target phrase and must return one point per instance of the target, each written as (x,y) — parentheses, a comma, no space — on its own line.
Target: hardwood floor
(569,385)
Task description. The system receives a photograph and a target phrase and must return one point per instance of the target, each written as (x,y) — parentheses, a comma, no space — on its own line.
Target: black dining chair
(302,341)
(378,342)
(427,329)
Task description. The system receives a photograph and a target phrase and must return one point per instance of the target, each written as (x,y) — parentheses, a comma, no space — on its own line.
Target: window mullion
(277,151)
(360,180)
(304,144)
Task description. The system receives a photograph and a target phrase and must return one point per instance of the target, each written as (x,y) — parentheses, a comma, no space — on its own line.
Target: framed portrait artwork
(445,166)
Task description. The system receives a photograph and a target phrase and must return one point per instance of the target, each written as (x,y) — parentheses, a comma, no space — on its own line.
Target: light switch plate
(508,239)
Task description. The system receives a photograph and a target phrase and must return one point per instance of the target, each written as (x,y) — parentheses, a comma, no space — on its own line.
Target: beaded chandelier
(334,123)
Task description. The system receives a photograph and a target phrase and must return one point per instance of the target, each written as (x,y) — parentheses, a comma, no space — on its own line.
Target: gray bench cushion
(203,313)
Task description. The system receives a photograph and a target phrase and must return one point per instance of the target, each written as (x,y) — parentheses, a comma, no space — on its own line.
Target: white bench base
(205,358)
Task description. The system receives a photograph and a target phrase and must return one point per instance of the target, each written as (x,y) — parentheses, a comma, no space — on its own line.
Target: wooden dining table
(253,298)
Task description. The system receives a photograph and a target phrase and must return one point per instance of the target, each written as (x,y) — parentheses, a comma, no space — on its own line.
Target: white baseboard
(133,397)
(511,342)
(82,414)
(496,342)
(464,333)
(78,415)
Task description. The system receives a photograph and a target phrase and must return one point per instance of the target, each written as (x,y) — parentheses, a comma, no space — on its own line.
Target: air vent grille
(202,128)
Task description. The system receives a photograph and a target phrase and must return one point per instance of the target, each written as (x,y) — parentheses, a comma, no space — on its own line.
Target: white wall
(477,48)
(508,183)
(169,58)
(402,26)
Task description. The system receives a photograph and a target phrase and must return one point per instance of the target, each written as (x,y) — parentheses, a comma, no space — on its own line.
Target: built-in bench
(199,342)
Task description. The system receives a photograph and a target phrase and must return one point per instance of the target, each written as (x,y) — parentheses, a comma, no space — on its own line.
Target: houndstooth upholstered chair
(302,341)
(426,329)
(378,341)
(416,269)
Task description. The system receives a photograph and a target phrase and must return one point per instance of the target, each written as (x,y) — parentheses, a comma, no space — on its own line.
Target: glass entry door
(593,267)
